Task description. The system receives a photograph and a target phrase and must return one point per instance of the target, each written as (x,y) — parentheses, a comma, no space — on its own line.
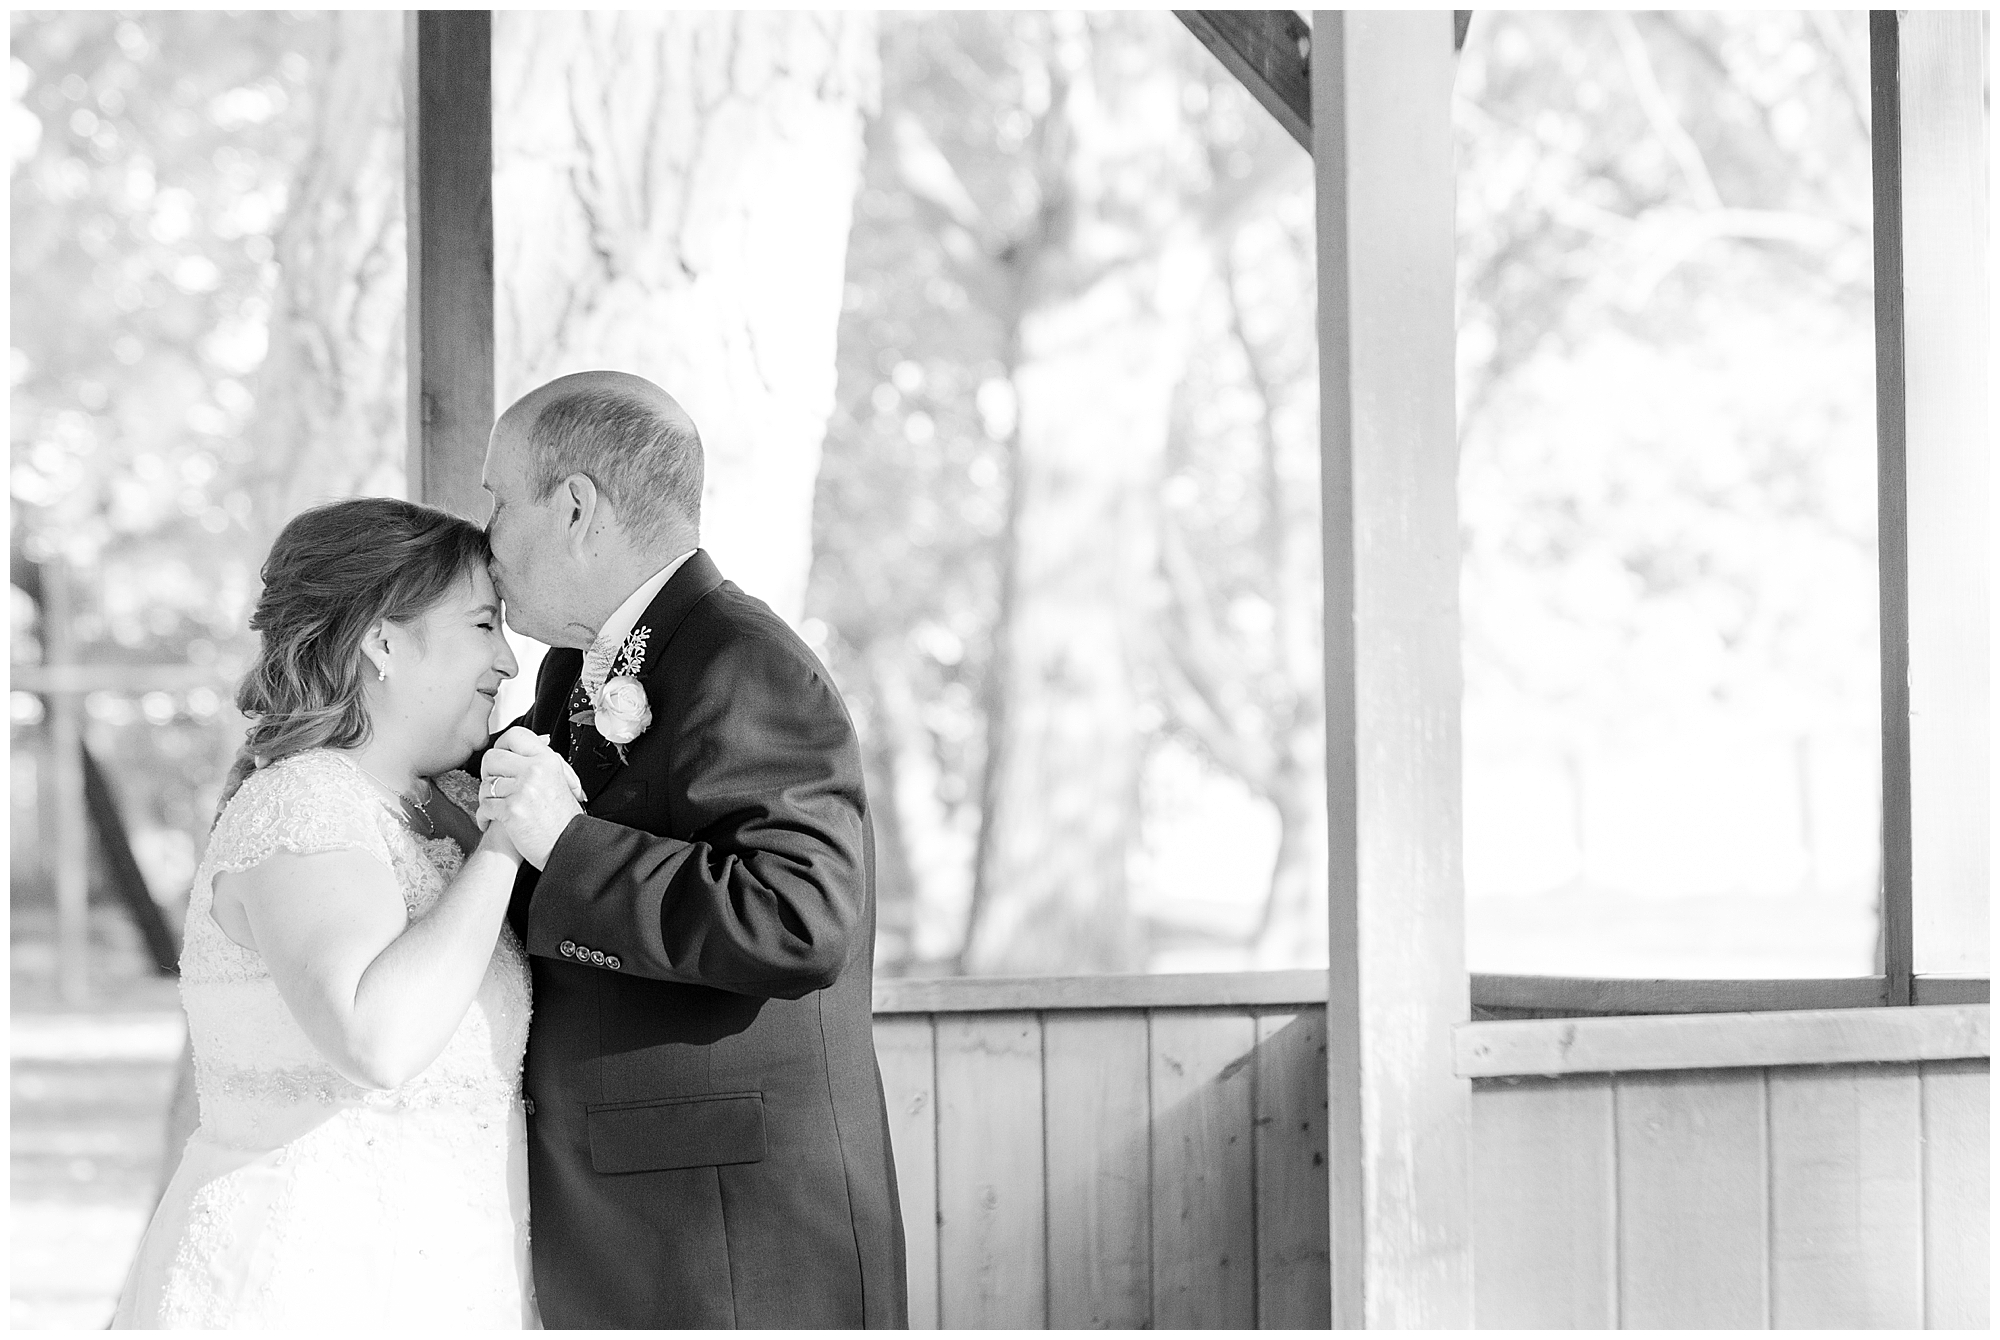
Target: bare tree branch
(1199,659)
(1852,64)
(1660,113)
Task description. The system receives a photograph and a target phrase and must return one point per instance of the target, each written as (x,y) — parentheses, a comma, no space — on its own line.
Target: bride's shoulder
(307,802)
(317,786)
(308,770)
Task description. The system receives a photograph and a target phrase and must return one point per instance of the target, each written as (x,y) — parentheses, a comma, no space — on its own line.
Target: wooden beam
(1200,990)
(1306,988)
(1270,52)
(1716,1041)
(1947,989)
(448,63)
(111,677)
(1399,1114)
(1892,526)
(1946,344)
(1623,995)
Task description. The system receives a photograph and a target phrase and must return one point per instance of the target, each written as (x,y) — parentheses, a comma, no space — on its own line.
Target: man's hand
(527,786)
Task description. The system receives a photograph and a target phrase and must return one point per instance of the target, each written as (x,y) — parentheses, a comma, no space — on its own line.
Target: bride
(356,1004)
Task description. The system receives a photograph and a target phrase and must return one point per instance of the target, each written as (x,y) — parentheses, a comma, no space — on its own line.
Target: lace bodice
(252,1061)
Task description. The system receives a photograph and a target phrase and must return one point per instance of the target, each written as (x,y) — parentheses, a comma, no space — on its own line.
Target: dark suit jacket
(708,1144)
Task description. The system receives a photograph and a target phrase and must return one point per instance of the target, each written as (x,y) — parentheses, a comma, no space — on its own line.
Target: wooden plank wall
(1123,1168)
(1166,1167)
(1789,1196)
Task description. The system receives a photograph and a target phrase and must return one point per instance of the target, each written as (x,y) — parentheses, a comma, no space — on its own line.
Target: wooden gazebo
(1393,1142)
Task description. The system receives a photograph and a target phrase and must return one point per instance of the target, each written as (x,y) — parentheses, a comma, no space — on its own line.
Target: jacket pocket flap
(677,1133)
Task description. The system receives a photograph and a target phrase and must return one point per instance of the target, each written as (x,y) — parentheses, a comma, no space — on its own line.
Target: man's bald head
(631,438)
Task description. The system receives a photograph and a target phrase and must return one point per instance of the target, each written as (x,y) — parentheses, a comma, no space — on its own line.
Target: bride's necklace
(422,807)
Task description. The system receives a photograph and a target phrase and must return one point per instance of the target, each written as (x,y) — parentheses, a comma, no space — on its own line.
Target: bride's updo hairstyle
(333,571)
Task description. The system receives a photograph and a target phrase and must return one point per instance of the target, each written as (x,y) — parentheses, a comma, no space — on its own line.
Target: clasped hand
(527,787)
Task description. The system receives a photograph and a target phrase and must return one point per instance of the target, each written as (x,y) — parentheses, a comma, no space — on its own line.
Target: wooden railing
(1489,993)
(81,802)
(1151,1151)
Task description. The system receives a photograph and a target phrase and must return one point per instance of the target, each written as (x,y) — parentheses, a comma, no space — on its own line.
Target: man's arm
(766,898)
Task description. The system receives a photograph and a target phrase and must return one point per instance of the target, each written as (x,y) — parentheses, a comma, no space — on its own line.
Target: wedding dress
(307,1200)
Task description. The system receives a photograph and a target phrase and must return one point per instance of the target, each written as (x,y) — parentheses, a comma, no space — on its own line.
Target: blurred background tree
(1054,207)
(172,189)
(672,193)
(331,418)
(1667,491)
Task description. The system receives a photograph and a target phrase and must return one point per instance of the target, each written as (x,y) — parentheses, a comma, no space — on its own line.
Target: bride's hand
(496,840)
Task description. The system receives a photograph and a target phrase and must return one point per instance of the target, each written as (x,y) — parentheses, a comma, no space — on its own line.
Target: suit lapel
(683,591)
(595,759)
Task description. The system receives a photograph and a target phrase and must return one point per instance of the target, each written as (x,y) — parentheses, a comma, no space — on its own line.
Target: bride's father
(708,1145)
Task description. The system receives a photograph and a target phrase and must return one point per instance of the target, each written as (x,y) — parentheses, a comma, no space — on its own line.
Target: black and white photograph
(1000,668)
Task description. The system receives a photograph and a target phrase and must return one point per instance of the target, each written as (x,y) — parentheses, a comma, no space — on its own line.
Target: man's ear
(583,511)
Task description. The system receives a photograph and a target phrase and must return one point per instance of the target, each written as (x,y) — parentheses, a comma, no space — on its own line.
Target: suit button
(528,1106)
(566,948)
(611,962)
(597,957)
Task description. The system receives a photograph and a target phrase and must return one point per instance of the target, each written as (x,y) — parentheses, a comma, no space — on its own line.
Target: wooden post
(1892,526)
(448,63)
(69,839)
(1399,1115)
(1932,323)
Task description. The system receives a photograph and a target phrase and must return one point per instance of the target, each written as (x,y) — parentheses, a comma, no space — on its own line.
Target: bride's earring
(381,672)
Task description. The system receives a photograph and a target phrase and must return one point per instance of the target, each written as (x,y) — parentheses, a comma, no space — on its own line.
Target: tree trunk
(1101,346)
(896,894)
(672,195)
(1252,700)
(1291,932)
(922,849)
(330,393)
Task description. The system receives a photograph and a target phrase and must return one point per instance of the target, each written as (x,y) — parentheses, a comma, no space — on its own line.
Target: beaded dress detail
(305,1200)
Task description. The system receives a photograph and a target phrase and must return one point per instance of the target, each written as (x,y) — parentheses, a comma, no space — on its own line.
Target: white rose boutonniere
(622,712)
(618,707)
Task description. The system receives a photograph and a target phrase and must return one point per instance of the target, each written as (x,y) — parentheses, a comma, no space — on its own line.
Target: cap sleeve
(308,803)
